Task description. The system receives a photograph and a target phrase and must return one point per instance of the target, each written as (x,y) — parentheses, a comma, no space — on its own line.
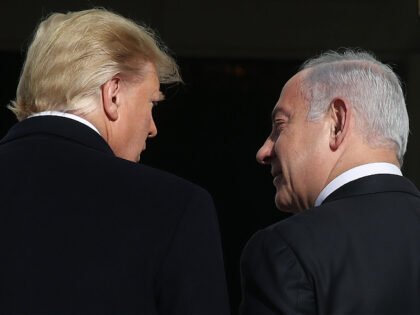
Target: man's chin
(285,205)
(133,158)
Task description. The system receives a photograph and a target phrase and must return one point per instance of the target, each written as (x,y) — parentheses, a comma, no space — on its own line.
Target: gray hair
(372,89)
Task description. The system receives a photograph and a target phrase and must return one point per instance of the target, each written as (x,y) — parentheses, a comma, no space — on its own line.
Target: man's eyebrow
(277,111)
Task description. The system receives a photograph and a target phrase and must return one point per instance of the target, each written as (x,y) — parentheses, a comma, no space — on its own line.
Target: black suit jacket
(357,253)
(82,231)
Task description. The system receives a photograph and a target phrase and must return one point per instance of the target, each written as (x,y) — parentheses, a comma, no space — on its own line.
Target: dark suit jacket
(82,231)
(357,253)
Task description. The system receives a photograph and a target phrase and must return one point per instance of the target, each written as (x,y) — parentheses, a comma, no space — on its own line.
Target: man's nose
(265,153)
(153,130)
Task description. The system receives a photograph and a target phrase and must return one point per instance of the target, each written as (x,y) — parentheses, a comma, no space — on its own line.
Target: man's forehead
(293,86)
(290,97)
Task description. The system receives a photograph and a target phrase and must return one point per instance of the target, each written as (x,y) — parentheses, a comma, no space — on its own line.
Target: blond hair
(72,55)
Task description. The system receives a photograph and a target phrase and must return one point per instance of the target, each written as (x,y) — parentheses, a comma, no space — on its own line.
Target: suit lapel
(58,126)
(374,184)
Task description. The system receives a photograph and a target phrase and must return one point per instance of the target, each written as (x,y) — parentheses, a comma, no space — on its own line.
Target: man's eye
(279,125)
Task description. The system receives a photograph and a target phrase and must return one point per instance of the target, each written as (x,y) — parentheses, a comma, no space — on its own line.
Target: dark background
(235,56)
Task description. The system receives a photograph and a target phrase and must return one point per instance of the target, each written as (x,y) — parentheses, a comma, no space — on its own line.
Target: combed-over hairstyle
(72,55)
(372,89)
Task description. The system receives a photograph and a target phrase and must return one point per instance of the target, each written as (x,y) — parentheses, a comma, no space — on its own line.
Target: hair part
(371,89)
(72,55)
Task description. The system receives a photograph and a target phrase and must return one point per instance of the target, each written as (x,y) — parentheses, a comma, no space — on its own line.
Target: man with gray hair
(84,228)
(339,134)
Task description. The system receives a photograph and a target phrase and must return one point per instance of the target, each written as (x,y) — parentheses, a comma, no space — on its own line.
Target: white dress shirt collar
(356,173)
(67,115)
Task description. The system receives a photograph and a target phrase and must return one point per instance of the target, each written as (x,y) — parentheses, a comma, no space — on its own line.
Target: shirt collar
(356,173)
(67,115)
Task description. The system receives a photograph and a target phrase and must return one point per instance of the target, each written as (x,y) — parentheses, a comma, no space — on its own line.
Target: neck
(97,119)
(359,156)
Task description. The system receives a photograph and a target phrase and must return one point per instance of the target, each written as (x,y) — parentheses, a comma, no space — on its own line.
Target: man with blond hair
(84,228)
(339,134)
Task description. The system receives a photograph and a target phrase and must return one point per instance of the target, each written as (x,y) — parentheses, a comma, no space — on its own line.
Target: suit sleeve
(192,279)
(273,280)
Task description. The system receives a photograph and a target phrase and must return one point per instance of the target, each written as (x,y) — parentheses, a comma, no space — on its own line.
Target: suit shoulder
(269,239)
(295,231)
(273,277)
(283,228)
(135,173)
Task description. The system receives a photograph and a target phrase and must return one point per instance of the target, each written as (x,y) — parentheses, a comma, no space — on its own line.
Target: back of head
(370,87)
(72,55)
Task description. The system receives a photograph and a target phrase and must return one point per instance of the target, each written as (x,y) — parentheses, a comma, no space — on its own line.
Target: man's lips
(276,175)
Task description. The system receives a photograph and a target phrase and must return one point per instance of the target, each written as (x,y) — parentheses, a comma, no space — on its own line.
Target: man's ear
(340,116)
(110,97)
